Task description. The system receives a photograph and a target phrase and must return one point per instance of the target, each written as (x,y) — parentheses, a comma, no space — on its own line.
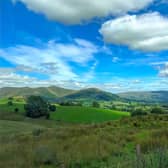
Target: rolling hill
(92,94)
(153,96)
(59,94)
(48,92)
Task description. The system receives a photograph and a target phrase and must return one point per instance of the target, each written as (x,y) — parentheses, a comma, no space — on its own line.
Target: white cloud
(52,58)
(164,70)
(76,11)
(115,59)
(147,32)
(12,79)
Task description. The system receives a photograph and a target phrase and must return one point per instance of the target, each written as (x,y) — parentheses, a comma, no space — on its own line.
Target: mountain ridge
(55,92)
(146,96)
(48,92)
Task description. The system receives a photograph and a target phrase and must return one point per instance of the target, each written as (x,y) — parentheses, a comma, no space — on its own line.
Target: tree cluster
(37,107)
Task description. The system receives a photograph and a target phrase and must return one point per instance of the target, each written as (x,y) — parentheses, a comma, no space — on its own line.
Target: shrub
(138,112)
(157,110)
(44,156)
(16,110)
(96,104)
(52,108)
(10,103)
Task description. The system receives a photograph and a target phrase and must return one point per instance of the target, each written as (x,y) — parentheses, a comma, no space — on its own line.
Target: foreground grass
(110,144)
(75,114)
(14,127)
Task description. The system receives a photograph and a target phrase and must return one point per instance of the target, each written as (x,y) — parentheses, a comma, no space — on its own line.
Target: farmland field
(86,114)
(84,137)
(71,114)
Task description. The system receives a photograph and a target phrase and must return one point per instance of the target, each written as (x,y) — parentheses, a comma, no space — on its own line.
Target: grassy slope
(91,94)
(49,92)
(15,127)
(110,144)
(86,114)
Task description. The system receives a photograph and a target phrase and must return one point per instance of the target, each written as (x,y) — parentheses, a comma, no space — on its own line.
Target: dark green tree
(10,103)
(16,110)
(52,107)
(36,107)
(95,104)
(138,112)
(157,110)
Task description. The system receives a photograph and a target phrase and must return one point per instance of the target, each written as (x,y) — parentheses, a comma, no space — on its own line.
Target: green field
(86,114)
(81,137)
(67,114)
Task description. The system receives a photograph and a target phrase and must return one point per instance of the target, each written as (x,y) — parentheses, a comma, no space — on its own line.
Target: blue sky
(112,45)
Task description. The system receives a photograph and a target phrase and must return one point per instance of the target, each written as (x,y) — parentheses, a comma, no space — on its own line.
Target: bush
(157,110)
(52,108)
(16,110)
(70,103)
(10,103)
(138,112)
(96,104)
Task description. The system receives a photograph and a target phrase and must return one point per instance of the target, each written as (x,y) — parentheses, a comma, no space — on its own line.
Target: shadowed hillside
(153,96)
(48,92)
(92,94)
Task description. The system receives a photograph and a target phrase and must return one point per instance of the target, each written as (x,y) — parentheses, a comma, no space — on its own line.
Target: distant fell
(92,94)
(48,92)
(152,96)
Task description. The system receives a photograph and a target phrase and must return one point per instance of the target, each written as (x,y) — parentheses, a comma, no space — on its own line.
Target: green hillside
(92,94)
(48,92)
(153,96)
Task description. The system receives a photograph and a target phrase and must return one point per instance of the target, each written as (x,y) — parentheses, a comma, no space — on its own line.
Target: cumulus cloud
(147,32)
(52,58)
(76,11)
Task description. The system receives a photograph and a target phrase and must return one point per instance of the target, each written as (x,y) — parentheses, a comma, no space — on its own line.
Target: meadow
(76,114)
(69,114)
(110,144)
(82,137)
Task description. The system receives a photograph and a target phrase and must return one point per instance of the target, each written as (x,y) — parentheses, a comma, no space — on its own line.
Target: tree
(10,103)
(96,104)
(16,110)
(157,110)
(10,98)
(138,112)
(52,107)
(36,107)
